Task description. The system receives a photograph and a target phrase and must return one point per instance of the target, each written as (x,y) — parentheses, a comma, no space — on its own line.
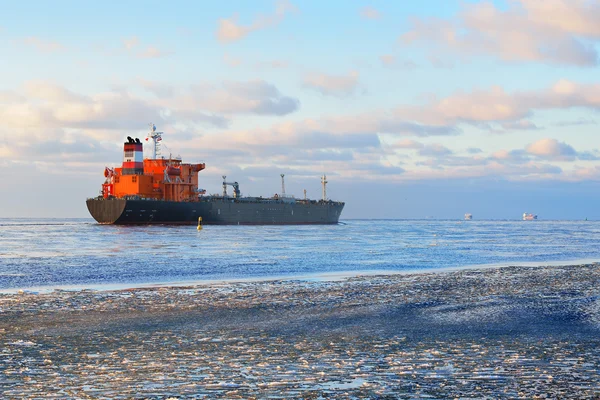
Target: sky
(427,109)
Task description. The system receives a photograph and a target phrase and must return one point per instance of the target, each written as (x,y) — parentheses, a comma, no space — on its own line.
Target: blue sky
(450,106)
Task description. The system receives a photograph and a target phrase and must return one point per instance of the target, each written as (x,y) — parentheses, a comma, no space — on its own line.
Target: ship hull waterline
(117,211)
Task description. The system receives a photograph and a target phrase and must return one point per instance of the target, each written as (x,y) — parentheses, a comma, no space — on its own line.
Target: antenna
(324,183)
(155,138)
(282,186)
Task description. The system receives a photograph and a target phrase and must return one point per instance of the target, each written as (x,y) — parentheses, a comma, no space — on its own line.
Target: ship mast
(324,183)
(282,186)
(155,137)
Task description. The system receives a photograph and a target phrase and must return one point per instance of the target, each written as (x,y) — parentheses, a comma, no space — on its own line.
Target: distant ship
(529,217)
(468,217)
(159,190)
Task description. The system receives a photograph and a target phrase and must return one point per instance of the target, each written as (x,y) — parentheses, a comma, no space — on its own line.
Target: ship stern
(106,211)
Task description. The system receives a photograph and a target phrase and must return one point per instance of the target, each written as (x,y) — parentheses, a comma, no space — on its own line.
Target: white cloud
(439,62)
(474,150)
(571,16)
(551,149)
(390,61)
(578,122)
(370,13)
(255,97)
(42,90)
(501,155)
(517,163)
(131,42)
(229,30)
(553,31)
(496,105)
(274,64)
(435,149)
(153,52)
(407,144)
(333,85)
(56,119)
(132,45)
(42,109)
(522,124)
(480,105)
(587,173)
(157,88)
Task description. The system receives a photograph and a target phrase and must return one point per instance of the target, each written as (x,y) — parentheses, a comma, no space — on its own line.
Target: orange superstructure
(151,178)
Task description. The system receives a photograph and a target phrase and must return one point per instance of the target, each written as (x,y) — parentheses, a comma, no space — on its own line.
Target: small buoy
(199,223)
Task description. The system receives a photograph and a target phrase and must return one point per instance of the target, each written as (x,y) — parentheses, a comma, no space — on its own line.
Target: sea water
(79,253)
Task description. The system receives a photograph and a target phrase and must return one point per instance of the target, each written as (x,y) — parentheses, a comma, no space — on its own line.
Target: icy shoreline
(497,332)
(317,277)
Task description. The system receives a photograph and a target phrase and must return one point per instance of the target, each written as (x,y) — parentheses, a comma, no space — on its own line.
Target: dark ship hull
(219,211)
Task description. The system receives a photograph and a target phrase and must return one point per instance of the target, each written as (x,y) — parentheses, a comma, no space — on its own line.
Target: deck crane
(235,185)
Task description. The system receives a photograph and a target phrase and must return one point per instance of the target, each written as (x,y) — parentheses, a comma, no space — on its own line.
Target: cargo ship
(159,190)
(529,217)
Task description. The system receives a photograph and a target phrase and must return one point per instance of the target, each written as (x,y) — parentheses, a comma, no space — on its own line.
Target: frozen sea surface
(79,253)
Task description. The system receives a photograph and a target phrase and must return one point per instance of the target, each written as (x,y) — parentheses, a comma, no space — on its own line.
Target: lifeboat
(173,171)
